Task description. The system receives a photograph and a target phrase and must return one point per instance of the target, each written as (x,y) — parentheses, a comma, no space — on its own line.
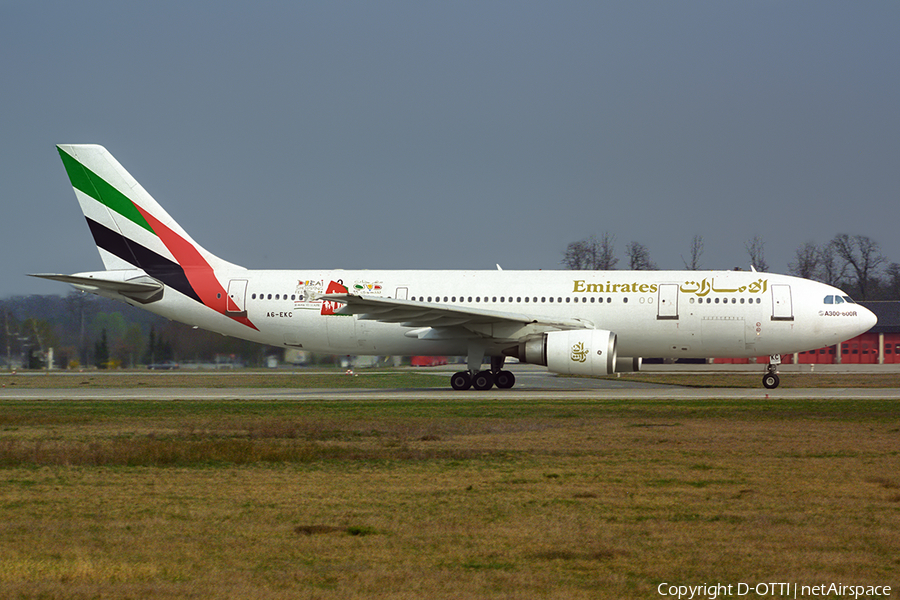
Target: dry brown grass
(461,499)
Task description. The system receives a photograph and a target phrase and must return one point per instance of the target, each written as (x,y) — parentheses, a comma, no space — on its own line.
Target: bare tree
(756,250)
(579,255)
(830,272)
(606,255)
(892,283)
(696,252)
(862,257)
(639,257)
(806,263)
(591,254)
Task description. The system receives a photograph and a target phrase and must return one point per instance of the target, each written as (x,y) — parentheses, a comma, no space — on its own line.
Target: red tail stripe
(198,272)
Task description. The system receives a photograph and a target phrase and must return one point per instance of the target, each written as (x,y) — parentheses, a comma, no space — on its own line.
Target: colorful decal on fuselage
(329,306)
(367,287)
(307,294)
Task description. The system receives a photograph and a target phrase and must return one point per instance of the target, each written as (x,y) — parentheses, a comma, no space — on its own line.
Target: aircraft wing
(426,314)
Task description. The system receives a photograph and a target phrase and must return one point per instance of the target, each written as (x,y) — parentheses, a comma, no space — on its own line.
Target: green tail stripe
(93,185)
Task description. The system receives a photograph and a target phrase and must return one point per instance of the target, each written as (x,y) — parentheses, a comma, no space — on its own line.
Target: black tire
(770,381)
(504,380)
(461,381)
(483,380)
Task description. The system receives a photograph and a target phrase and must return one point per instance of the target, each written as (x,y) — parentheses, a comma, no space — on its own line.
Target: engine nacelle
(574,352)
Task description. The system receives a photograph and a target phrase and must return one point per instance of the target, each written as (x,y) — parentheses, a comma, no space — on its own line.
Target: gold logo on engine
(579,353)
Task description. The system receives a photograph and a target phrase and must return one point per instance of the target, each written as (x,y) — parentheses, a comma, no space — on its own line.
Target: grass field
(460,498)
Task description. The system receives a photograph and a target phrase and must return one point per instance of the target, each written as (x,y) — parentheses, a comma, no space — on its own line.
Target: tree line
(853,263)
(89,331)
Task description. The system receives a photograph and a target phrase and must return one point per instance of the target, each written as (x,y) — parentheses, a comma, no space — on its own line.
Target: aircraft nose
(866,319)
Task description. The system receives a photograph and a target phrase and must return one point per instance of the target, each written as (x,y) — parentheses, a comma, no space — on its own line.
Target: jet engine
(575,352)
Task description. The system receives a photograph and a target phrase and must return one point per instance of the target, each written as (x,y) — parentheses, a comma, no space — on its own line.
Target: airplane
(593,323)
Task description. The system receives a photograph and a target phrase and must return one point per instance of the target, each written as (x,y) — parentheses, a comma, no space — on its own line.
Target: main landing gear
(770,379)
(484,380)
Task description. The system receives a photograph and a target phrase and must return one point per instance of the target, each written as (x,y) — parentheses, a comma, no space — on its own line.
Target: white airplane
(576,322)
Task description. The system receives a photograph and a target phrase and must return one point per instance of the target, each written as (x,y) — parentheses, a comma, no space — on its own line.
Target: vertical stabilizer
(132,231)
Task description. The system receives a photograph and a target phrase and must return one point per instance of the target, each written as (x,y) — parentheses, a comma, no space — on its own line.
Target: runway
(644,392)
(531,383)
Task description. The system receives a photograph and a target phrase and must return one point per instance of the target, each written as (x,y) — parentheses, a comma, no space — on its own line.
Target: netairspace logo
(772,589)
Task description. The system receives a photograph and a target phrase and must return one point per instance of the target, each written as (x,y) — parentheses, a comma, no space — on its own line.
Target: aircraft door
(236,302)
(782,308)
(668,301)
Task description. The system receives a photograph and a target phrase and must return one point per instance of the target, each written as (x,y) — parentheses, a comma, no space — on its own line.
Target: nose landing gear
(770,379)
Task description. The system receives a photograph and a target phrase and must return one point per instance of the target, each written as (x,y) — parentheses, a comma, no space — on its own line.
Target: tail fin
(130,229)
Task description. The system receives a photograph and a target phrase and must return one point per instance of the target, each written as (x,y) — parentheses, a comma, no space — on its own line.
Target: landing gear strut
(770,379)
(483,380)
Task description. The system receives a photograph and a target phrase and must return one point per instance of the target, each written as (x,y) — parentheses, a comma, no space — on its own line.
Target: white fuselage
(677,314)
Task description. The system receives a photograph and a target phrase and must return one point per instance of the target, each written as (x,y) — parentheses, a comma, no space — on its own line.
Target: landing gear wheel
(504,380)
(461,381)
(770,381)
(483,380)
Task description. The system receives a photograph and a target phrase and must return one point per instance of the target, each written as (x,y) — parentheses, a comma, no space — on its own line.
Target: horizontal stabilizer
(143,289)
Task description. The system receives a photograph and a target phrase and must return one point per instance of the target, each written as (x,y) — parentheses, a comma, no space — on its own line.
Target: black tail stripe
(158,267)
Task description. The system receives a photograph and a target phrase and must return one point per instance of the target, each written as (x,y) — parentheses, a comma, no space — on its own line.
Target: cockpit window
(848,300)
(839,300)
(829,299)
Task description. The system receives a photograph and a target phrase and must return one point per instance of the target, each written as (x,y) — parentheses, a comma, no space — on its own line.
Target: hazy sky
(455,135)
